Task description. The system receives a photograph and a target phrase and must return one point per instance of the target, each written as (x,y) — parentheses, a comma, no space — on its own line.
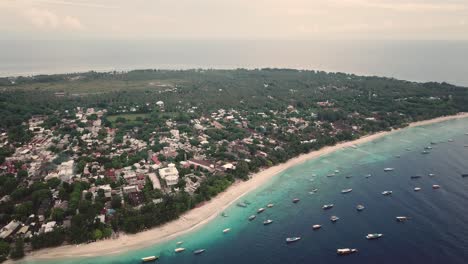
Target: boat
(348,177)
(223,214)
(433,143)
(388,169)
(398,156)
(267,222)
(374,236)
(368,175)
(149,259)
(199,251)
(252,217)
(337,171)
(450,140)
(178,250)
(331,175)
(360,207)
(417,189)
(334,218)
(428,147)
(242,205)
(180,242)
(402,218)
(315,227)
(295,200)
(387,193)
(464,175)
(260,210)
(270,205)
(435,186)
(416,177)
(315,190)
(226,230)
(327,206)
(346,190)
(408,149)
(431,174)
(292,239)
(346,251)
(425,152)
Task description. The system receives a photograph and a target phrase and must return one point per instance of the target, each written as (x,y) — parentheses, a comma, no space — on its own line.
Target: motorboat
(387,193)
(260,210)
(252,217)
(149,259)
(402,218)
(417,189)
(295,200)
(374,236)
(178,250)
(267,222)
(334,218)
(226,230)
(327,206)
(199,251)
(315,227)
(435,186)
(388,169)
(360,207)
(346,251)
(346,190)
(292,239)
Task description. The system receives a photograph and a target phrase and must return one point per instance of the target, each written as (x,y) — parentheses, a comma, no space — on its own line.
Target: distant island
(92,156)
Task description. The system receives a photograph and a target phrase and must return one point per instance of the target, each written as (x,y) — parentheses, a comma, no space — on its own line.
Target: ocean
(436,233)
(412,60)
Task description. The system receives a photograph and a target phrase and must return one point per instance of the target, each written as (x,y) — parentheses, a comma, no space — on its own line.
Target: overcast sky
(234,19)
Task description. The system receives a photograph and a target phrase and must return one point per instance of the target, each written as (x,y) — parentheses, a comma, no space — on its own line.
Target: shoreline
(199,216)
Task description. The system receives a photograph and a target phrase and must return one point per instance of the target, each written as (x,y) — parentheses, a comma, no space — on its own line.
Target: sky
(234,19)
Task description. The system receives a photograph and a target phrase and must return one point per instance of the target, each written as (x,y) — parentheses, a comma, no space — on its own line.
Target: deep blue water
(437,232)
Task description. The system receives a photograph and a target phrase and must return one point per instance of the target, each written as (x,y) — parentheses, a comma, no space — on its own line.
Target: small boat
(226,230)
(149,259)
(464,175)
(435,186)
(252,217)
(242,205)
(223,214)
(270,205)
(428,147)
(348,177)
(337,171)
(346,251)
(331,175)
(398,156)
(334,218)
(260,210)
(346,190)
(315,227)
(178,250)
(433,143)
(199,251)
(388,169)
(417,189)
(180,242)
(387,193)
(292,239)
(374,236)
(425,152)
(360,207)
(450,140)
(368,175)
(431,174)
(267,222)
(327,206)
(295,200)
(408,149)
(416,177)
(402,218)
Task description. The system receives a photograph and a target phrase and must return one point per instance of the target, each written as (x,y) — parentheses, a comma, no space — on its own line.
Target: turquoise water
(436,233)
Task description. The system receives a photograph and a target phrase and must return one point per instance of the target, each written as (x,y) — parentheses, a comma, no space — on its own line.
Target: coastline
(199,216)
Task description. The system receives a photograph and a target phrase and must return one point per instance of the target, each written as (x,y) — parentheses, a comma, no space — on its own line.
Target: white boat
(346,190)
(178,250)
(425,152)
(292,239)
(334,218)
(402,218)
(199,251)
(295,200)
(337,171)
(315,227)
(417,189)
(389,169)
(374,236)
(270,205)
(360,207)
(450,140)
(267,222)
(346,251)
(226,230)
(180,242)
(368,175)
(331,175)
(260,210)
(252,217)
(387,193)
(327,206)
(241,204)
(431,174)
(435,186)
(149,259)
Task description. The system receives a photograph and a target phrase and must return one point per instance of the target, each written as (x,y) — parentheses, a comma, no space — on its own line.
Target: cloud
(47,20)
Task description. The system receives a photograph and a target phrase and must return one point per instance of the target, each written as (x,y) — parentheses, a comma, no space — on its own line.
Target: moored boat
(374,236)
(360,207)
(223,214)
(368,175)
(346,190)
(331,175)
(178,250)
(425,152)
(431,174)
(416,176)
(387,193)
(199,251)
(315,227)
(346,251)
(226,230)
(334,218)
(180,242)
(149,258)
(348,176)
(417,189)
(295,200)
(260,210)
(464,175)
(241,204)
(388,169)
(327,206)
(435,186)
(402,218)
(292,239)
(252,217)
(267,222)
(270,205)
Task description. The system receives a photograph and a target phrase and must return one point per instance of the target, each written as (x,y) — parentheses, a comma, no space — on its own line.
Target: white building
(170,174)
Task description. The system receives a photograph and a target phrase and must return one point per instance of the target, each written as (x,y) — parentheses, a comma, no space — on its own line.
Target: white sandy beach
(197,217)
